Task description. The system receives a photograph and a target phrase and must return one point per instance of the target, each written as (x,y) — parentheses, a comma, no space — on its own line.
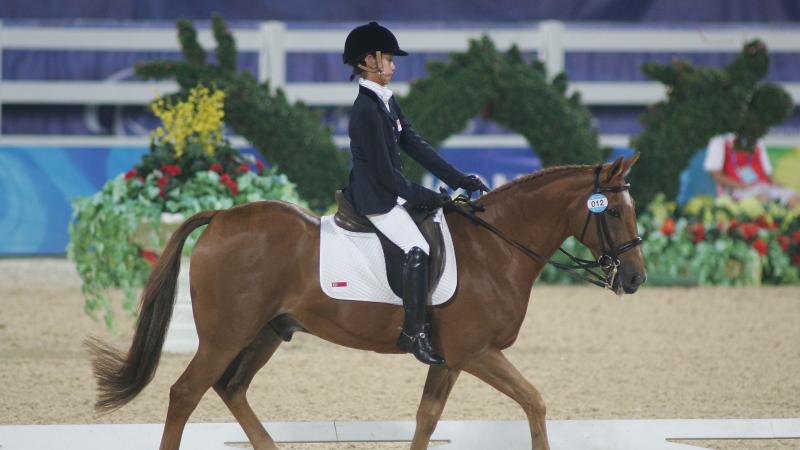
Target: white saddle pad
(352,267)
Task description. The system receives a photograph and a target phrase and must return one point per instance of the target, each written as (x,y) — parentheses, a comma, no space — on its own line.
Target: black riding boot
(414,337)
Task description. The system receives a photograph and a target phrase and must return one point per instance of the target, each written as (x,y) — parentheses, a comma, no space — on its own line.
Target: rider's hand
(472,183)
(434,201)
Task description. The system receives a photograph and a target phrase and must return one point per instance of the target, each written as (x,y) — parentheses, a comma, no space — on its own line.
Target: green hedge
(503,87)
(703,102)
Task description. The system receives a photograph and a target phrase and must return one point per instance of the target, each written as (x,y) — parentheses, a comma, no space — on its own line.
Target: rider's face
(388,68)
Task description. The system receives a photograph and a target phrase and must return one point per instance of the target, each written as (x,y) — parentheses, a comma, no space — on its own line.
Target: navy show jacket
(376,179)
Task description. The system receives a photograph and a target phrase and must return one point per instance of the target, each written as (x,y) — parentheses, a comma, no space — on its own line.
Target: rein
(608,261)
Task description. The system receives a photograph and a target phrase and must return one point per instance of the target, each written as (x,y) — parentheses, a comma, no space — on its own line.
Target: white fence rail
(273,40)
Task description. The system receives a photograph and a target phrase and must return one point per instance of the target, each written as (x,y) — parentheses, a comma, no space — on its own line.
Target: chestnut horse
(255,275)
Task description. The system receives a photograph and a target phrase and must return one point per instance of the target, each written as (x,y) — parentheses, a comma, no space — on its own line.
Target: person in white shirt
(744,174)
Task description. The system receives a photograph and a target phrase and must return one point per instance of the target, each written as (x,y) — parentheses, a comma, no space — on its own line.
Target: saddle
(347,218)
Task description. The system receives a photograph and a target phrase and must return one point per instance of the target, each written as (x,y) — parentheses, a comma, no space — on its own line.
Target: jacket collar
(383,92)
(372,95)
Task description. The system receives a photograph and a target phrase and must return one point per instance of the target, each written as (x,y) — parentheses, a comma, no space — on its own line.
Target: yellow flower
(751,207)
(697,204)
(197,119)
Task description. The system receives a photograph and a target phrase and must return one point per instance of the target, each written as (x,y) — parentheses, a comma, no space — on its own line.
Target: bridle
(608,261)
(609,257)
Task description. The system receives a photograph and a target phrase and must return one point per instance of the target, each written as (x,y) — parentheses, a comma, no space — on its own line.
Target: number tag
(597,203)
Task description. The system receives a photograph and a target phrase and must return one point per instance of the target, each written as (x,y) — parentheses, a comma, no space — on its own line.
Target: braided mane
(535,176)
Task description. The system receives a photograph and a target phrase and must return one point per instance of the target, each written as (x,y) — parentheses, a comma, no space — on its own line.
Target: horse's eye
(614,212)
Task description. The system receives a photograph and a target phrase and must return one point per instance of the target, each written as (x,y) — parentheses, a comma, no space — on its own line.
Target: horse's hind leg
(493,368)
(232,386)
(208,364)
(438,385)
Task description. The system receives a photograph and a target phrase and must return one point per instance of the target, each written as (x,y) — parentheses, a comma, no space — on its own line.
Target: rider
(378,129)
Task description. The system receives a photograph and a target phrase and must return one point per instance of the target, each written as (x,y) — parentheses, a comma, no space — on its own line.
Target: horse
(255,277)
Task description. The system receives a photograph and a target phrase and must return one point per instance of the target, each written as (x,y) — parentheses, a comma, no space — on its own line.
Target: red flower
(162,184)
(698,231)
(260,167)
(172,170)
(761,246)
(796,260)
(748,230)
(733,224)
(796,237)
(762,221)
(784,242)
(243,168)
(230,183)
(141,179)
(130,174)
(216,167)
(151,257)
(668,227)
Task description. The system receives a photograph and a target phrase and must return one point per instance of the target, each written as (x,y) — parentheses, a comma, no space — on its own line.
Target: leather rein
(608,261)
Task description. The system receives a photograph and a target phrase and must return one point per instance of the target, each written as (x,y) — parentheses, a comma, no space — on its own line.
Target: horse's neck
(534,214)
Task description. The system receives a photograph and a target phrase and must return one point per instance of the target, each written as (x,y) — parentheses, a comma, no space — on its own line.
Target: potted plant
(116,234)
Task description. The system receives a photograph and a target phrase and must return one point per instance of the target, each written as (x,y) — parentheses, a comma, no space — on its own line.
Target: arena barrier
(449,435)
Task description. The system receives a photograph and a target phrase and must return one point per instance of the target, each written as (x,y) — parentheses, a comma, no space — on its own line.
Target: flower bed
(116,234)
(720,241)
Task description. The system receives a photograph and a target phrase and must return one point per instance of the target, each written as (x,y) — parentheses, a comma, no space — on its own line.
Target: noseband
(608,261)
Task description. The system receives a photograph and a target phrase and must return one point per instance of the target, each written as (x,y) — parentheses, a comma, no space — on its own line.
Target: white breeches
(399,228)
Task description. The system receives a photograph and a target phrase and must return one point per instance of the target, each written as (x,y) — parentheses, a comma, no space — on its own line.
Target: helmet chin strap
(379,63)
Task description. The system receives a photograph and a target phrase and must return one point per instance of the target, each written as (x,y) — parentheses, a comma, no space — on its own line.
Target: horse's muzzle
(631,282)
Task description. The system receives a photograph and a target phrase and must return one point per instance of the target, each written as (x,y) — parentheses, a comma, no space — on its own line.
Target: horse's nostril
(636,280)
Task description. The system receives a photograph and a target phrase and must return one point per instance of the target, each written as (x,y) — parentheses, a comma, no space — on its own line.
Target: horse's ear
(626,167)
(615,169)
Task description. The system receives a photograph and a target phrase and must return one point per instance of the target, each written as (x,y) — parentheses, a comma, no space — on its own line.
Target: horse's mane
(535,176)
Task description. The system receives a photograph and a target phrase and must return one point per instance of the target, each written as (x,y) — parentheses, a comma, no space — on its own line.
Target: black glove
(434,201)
(472,183)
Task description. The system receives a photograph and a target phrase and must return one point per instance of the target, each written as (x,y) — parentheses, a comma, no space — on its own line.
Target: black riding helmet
(369,38)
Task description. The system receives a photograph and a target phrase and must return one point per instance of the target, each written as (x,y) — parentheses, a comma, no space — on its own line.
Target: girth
(347,218)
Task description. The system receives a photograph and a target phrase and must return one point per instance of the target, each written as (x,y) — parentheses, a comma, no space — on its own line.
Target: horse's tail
(120,377)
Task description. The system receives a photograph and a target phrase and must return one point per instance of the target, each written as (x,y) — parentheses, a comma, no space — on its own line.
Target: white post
(552,49)
(272,57)
(181,334)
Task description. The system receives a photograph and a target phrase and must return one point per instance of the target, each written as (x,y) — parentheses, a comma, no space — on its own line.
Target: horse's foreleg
(233,385)
(438,385)
(493,368)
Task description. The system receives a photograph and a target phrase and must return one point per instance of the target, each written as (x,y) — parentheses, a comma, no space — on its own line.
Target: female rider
(378,129)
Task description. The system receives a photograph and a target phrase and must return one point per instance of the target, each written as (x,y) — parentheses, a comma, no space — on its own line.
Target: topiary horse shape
(702,103)
(514,93)
(290,136)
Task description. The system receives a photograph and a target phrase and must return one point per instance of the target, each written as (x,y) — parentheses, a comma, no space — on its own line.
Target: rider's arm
(423,153)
